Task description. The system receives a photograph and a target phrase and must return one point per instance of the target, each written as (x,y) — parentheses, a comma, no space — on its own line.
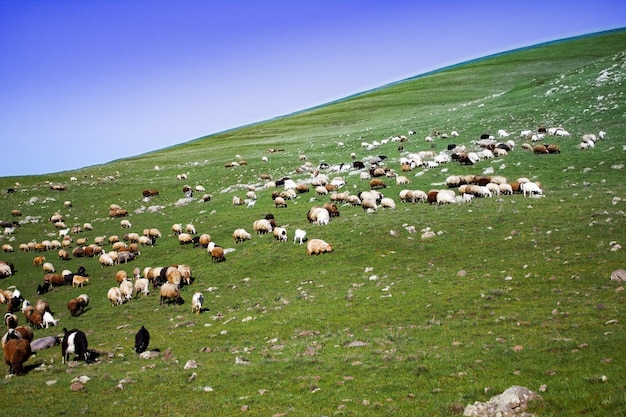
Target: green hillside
(506,290)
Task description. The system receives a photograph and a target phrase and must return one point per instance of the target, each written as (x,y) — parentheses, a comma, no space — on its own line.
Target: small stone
(518,348)
(191,364)
(77,386)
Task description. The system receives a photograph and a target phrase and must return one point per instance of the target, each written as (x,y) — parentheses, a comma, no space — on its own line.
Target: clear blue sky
(86,82)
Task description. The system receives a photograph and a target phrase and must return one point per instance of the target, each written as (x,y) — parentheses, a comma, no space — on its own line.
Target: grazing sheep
(125,224)
(76,306)
(445,197)
(185,238)
(142,340)
(387,203)
(530,189)
(317,246)
(105,260)
(185,273)
(126,289)
(54,280)
(79,281)
(369,204)
(7,248)
(240,235)
(115,296)
(16,352)
(141,285)
(170,293)
(377,183)
(190,228)
(217,254)
(74,342)
(280,234)
(204,240)
(300,235)
(48,320)
(48,267)
(262,226)
(196,303)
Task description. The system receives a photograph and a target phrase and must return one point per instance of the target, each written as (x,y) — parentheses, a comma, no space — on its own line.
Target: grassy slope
(435,341)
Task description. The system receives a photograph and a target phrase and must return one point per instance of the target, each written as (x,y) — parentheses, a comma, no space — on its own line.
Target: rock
(148,355)
(77,386)
(461,273)
(191,364)
(511,402)
(357,343)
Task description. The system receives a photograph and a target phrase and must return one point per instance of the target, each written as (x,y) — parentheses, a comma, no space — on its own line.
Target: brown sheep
(76,306)
(217,254)
(377,183)
(540,149)
(54,279)
(39,260)
(16,352)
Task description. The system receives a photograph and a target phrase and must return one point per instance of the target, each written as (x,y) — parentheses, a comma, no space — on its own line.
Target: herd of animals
(18,341)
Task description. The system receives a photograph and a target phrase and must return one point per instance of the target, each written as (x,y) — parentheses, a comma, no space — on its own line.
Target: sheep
(185,238)
(204,240)
(185,273)
(16,352)
(141,285)
(142,340)
(240,235)
(126,289)
(377,183)
(115,296)
(387,203)
(74,342)
(48,267)
(105,260)
(402,180)
(445,197)
(170,292)
(54,280)
(318,246)
(44,343)
(5,270)
(76,306)
(369,204)
(300,235)
(279,202)
(125,224)
(262,226)
(79,281)
(7,248)
(530,189)
(280,234)
(217,254)
(196,303)
(190,228)
(48,320)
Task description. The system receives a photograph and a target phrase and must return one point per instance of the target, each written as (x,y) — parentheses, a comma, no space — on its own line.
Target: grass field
(509,290)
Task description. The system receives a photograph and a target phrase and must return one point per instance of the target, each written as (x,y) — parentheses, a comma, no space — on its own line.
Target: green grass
(537,270)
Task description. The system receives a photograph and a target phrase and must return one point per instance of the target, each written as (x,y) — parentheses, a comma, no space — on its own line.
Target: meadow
(509,290)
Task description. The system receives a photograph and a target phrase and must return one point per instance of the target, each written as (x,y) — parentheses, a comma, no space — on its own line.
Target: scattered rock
(511,402)
(191,364)
(77,386)
(357,343)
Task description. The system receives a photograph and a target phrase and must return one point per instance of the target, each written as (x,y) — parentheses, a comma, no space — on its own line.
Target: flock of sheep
(375,171)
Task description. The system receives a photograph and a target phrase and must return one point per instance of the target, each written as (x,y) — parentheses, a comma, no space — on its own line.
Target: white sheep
(388,203)
(48,320)
(196,303)
(142,285)
(318,246)
(262,226)
(446,197)
(190,228)
(299,234)
(530,189)
(126,289)
(125,224)
(240,235)
(115,296)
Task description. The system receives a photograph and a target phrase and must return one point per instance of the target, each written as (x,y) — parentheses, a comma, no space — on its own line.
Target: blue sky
(87,82)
